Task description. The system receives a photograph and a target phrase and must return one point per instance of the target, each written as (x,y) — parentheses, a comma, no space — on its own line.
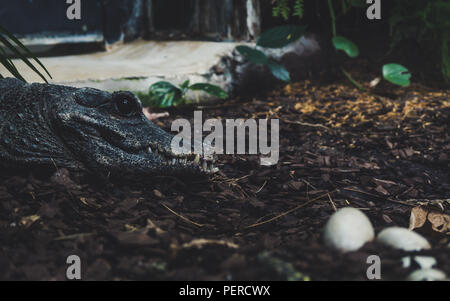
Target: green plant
(427,22)
(283,9)
(10,42)
(277,37)
(394,73)
(282,35)
(164,94)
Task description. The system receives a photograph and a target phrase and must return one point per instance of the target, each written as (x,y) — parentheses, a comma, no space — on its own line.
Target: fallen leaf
(418,217)
(29,220)
(440,222)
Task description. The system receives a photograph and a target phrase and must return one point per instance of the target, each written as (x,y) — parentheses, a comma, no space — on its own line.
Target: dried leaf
(418,217)
(27,221)
(440,222)
(200,243)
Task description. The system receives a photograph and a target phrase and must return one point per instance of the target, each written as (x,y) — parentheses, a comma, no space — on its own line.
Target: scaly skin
(84,130)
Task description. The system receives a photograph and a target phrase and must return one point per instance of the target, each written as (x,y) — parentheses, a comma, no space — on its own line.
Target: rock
(427,275)
(402,238)
(348,230)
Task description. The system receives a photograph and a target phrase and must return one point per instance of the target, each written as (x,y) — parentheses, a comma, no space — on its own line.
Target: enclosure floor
(150,60)
(384,152)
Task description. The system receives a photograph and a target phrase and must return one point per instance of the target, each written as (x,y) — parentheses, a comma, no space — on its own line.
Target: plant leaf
(185,85)
(164,94)
(5,35)
(211,89)
(397,74)
(280,36)
(8,64)
(279,71)
(344,44)
(253,55)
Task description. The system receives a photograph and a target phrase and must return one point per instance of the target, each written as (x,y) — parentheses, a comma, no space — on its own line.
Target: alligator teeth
(204,165)
(149,149)
(197,158)
(174,161)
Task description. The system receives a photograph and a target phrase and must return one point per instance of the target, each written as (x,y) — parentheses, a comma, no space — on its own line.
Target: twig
(73,236)
(288,212)
(199,243)
(315,125)
(309,184)
(182,217)
(259,190)
(354,82)
(332,203)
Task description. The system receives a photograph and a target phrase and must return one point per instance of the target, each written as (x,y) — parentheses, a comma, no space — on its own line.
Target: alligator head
(86,129)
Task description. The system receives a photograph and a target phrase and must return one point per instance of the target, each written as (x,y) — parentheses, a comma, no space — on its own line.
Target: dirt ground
(384,152)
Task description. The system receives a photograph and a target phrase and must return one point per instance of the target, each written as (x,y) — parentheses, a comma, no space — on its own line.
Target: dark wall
(123,18)
(128,19)
(24,17)
(211,19)
(112,18)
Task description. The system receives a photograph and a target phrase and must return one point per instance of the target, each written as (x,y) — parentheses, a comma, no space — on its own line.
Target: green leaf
(164,94)
(279,71)
(253,55)
(8,64)
(211,89)
(397,74)
(185,85)
(280,36)
(341,43)
(4,36)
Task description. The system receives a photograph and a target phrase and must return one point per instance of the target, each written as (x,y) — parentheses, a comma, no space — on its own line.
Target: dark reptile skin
(77,129)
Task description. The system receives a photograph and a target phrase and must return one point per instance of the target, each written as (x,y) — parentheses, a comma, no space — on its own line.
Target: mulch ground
(385,153)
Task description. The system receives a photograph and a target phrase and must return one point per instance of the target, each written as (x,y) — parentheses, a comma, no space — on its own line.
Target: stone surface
(402,238)
(348,230)
(135,66)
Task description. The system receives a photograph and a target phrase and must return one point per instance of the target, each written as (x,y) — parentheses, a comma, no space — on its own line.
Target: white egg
(348,229)
(427,275)
(402,238)
(424,262)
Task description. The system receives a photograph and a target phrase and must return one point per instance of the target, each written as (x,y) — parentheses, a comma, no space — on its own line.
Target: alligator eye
(126,107)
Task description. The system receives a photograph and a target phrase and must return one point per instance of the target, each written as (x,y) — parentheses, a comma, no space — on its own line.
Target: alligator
(85,130)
